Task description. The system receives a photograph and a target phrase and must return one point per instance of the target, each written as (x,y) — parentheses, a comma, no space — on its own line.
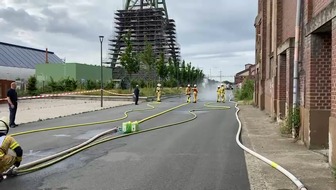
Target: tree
(128,58)
(148,58)
(171,69)
(177,70)
(200,75)
(183,73)
(247,90)
(32,89)
(188,71)
(162,68)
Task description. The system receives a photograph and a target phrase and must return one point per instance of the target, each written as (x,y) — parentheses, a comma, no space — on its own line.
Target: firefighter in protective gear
(7,142)
(223,93)
(218,93)
(158,92)
(188,93)
(195,92)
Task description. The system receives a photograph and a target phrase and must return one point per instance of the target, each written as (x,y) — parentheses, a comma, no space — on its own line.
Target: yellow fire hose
(27,168)
(86,124)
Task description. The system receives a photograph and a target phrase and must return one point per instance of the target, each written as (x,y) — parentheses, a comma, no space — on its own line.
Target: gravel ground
(42,109)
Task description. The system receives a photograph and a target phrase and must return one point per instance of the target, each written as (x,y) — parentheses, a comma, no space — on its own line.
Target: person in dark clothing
(136,94)
(12,103)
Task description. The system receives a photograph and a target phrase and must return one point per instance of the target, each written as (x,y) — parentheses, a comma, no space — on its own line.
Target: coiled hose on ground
(294,179)
(101,138)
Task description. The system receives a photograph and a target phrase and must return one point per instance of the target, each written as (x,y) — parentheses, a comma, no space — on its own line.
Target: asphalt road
(201,154)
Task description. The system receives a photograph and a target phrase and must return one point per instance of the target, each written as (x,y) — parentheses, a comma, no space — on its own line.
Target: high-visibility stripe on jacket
(188,90)
(10,143)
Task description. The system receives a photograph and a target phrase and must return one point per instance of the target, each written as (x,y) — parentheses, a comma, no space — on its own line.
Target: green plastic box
(127,127)
(135,126)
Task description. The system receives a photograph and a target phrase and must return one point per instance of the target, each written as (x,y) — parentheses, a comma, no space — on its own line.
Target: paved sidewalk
(42,109)
(264,137)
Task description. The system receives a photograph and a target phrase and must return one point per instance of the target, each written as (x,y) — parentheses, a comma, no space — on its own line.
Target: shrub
(109,85)
(291,120)
(69,84)
(31,88)
(246,92)
(90,85)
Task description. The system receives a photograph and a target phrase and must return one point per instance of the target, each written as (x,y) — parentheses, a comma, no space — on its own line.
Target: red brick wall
(282,77)
(302,89)
(304,78)
(288,19)
(318,6)
(268,46)
(268,96)
(251,74)
(333,71)
(263,43)
(279,21)
(308,9)
(318,74)
(289,76)
(262,64)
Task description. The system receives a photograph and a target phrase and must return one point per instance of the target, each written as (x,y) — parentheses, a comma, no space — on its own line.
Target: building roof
(245,71)
(24,57)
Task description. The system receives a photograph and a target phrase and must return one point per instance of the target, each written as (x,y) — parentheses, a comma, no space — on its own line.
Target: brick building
(248,73)
(275,42)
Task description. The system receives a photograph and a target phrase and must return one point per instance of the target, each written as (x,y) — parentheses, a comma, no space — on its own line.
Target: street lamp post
(101,70)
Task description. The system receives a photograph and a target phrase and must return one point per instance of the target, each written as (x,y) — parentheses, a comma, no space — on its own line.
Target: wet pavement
(201,154)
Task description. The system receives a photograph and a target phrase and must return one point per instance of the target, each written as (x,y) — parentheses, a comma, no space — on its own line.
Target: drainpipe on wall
(296,61)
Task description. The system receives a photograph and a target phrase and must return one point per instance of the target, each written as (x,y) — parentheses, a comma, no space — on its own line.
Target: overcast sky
(216,35)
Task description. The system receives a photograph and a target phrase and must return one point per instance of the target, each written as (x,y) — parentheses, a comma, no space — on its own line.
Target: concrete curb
(82,97)
(55,117)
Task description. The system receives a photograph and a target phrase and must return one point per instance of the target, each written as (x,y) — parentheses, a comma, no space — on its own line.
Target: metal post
(101,70)
(220,76)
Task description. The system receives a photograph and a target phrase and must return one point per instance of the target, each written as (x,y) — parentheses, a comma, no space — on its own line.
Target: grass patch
(245,102)
(291,120)
(333,171)
(285,129)
(245,94)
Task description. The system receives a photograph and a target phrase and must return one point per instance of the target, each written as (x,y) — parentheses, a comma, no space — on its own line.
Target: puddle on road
(181,112)
(120,156)
(90,134)
(33,155)
(188,113)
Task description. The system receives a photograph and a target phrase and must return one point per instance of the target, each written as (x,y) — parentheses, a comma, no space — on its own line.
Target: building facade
(18,62)
(275,51)
(248,73)
(77,71)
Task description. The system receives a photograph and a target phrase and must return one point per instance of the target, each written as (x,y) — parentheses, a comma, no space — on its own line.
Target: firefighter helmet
(4,128)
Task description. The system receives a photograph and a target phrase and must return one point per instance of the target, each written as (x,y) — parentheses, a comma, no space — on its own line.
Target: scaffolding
(145,20)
